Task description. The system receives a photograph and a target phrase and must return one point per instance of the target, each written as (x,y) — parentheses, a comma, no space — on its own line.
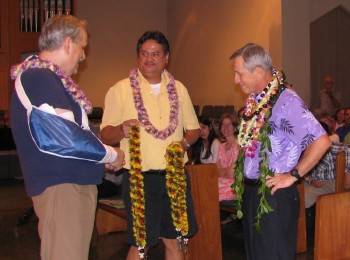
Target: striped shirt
(325,169)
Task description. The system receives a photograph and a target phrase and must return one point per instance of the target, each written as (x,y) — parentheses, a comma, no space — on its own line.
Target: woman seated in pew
(226,162)
(227,156)
(206,149)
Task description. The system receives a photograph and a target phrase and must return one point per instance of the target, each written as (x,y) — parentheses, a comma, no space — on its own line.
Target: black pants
(159,222)
(279,228)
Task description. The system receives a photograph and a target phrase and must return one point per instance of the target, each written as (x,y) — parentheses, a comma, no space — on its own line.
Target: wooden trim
(332,227)
(340,172)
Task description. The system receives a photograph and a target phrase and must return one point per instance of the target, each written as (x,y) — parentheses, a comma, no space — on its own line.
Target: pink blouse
(226,158)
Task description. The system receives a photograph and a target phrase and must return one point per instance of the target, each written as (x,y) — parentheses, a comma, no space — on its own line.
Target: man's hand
(316,183)
(119,161)
(126,125)
(280,180)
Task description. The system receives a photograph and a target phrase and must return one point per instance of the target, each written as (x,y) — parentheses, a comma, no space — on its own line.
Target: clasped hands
(120,160)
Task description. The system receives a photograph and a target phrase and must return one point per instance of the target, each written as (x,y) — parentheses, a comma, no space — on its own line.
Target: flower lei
(137,193)
(176,188)
(69,85)
(255,128)
(142,112)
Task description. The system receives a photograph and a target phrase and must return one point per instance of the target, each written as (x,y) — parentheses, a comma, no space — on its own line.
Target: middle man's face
(152,61)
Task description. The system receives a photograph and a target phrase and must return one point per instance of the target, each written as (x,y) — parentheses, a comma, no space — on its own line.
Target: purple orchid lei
(142,112)
(69,84)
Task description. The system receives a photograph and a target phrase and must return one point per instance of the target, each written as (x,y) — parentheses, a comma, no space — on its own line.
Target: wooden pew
(109,219)
(340,172)
(332,228)
(206,244)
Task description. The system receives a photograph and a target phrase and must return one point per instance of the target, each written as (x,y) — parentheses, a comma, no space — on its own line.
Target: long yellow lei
(176,188)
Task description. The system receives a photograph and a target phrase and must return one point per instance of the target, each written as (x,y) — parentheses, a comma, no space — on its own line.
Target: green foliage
(238,185)
(264,206)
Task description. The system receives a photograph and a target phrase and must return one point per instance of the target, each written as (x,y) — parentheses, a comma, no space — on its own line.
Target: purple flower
(142,112)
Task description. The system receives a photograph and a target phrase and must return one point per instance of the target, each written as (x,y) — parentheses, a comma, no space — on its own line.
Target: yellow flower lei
(176,188)
(137,193)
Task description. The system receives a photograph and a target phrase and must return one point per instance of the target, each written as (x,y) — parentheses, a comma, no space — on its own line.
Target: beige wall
(115,27)
(204,36)
(296,19)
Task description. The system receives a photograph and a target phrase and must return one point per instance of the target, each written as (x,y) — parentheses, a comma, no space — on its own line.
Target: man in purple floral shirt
(280,142)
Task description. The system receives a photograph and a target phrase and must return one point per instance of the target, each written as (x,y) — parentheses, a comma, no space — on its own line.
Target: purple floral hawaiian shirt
(293,128)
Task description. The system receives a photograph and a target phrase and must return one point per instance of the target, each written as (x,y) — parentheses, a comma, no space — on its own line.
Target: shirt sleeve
(44,86)
(54,134)
(112,114)
(298,123)
(338,147)
(190,117)
(215,150)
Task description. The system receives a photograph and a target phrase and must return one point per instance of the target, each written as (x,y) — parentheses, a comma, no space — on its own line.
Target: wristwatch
(296,174)
(187,144)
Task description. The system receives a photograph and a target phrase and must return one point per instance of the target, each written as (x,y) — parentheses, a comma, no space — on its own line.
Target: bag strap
(28,105)
(22,94)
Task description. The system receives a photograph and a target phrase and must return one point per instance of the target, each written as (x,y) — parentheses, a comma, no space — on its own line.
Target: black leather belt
(156,172)
(252,182)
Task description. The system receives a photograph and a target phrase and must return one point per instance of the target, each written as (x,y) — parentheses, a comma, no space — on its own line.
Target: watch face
(295,174)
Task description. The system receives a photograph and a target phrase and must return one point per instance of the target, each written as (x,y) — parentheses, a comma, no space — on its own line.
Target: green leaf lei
(265,147)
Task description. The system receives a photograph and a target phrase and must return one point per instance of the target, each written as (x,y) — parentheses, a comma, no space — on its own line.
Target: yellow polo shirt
(119,107)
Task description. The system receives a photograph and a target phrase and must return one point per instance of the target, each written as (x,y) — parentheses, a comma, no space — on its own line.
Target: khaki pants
(66,215)
(312,193)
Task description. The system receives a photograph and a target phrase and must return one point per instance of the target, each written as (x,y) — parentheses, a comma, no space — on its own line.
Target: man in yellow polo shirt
(151,99)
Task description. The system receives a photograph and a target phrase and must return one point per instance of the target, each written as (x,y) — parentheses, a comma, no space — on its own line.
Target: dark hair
(154,35)
(325,127)
(198,147)
(335,116)
(234,123)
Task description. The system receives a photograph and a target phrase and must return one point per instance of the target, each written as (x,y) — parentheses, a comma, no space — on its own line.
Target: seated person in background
(111,185)
(206,149)
(330,99)
(341,132)
(228,152)
(321,179)
(328,119)
(347,139)
(339,119)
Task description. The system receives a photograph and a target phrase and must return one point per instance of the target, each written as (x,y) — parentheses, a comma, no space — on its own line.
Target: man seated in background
(330,99)
(321,180)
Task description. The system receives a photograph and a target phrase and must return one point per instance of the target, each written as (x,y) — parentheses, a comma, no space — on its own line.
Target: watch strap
(295,173)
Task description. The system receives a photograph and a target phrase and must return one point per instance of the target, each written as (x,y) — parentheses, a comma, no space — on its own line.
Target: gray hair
(254,56)
(57,29)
